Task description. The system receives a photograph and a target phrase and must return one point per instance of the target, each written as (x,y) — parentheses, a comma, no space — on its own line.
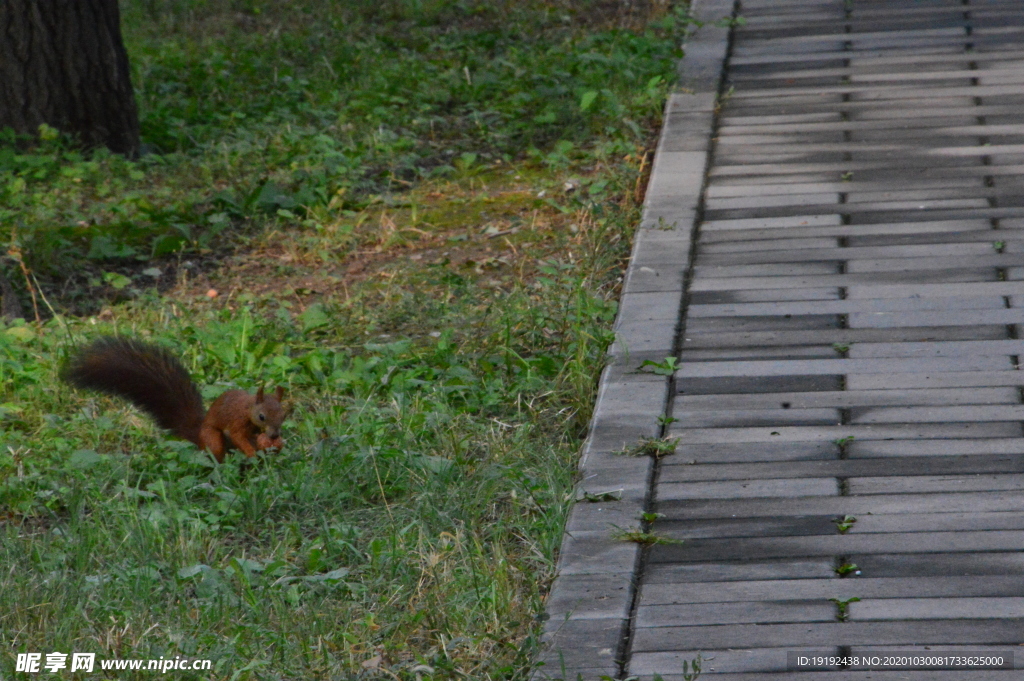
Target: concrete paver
(758,660)
(744,571)
(934,448)
(831,250)
(848,398)
(790,636)
(740,548)
(742,489)
(936,414)
(791,610)
(845,336)
(845,306)
(727,452)
(805,589)
(674,469)
(843,505)
(948,607)
(769,352)
(757,417)
(850,367)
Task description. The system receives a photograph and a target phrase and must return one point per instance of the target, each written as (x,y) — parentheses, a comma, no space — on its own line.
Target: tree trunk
(62,63)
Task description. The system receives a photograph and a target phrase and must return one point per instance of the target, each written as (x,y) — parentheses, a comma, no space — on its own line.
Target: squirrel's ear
(280,393)
(259,395)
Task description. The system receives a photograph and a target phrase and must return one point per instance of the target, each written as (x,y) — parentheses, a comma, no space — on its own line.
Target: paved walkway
(842,234)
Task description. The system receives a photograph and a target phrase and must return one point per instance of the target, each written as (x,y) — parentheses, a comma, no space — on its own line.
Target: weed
(666,367)
(731,22)
(846,569)
(844,523)
(841,347)
(644,538)
(656,447)
(692,670)
(843,441)
(842,607)
(610,495)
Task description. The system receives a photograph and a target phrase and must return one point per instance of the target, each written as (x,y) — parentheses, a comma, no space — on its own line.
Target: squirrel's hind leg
(212,440)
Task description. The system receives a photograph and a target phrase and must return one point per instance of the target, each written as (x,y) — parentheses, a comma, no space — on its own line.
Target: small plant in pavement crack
(595,497)
(666,367)
(643,538)
(844,524)
(846,569)
(843,607)
(656,447)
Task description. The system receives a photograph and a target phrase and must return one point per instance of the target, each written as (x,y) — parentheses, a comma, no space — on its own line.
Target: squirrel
(153,379)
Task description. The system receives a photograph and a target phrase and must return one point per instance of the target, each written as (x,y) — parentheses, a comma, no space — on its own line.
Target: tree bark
(62,62)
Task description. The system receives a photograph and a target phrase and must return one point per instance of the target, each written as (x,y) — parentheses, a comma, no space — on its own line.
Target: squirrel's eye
(262,417)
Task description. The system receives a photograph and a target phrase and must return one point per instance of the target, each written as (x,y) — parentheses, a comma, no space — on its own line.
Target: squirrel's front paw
(264,441)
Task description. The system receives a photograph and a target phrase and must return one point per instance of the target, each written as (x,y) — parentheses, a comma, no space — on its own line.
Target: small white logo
(55,662)
(82,662)
(28,662)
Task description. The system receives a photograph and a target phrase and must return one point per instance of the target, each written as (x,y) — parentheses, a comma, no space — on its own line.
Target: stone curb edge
(590,604)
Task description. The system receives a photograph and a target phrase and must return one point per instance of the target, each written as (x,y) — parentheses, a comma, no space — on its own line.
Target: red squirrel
(154,380)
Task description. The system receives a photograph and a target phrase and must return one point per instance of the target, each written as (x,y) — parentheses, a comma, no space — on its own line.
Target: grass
(411,214)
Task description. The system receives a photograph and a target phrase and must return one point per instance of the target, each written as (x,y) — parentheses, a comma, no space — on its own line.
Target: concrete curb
(590,605)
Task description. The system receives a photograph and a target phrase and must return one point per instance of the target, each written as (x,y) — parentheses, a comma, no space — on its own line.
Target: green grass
(267,112)
(377,193)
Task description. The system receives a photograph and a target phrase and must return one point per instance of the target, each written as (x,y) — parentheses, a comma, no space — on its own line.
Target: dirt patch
(486,235)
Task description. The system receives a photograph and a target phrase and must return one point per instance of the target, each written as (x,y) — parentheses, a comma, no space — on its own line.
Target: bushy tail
(148,376)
